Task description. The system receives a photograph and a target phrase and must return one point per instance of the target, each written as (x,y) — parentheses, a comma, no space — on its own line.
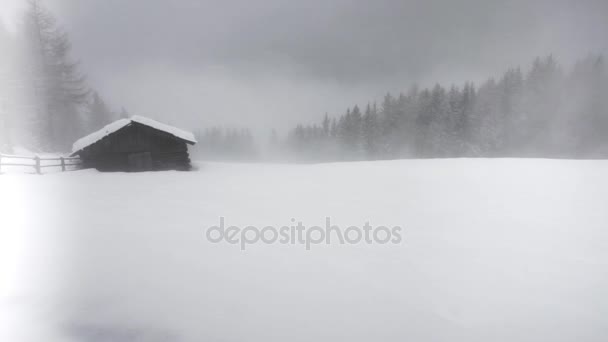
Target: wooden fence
(65,163)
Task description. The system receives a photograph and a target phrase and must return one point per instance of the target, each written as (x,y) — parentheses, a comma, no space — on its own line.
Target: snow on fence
(65,163)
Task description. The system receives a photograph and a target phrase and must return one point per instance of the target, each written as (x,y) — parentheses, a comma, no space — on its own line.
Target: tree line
(47,103)
(546,112)
(225,143)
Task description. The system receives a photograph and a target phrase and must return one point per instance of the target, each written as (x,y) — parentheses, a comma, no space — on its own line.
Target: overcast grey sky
(249,62)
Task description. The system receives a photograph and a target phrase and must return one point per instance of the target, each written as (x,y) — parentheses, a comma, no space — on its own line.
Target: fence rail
(40,163)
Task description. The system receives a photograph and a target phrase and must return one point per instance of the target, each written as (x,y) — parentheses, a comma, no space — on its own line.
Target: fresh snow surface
(493,250)
(119,124)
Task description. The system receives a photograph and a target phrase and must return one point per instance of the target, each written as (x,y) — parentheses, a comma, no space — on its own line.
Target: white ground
(493,250)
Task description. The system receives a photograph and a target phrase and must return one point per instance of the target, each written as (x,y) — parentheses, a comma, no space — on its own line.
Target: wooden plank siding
(137,147)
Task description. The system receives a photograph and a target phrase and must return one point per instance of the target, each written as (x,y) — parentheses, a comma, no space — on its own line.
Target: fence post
(37,166)
(62,164)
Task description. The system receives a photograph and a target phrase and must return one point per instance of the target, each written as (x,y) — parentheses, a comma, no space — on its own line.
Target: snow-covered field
(492,250)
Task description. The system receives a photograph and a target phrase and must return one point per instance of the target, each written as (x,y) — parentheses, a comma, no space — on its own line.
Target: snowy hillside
(492,250)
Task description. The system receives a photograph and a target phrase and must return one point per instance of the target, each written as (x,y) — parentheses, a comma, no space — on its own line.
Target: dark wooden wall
(137,148)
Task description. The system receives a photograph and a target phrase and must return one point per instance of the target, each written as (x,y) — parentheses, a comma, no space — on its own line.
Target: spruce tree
(55,84)
(370,133)
(98,114)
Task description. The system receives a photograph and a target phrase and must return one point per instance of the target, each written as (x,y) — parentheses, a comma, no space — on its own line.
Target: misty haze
(274,170)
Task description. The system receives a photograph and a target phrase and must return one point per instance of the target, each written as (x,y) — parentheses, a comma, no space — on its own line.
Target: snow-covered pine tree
(124,114)
(439,126)
(98,113)
(56,86)
(371,133)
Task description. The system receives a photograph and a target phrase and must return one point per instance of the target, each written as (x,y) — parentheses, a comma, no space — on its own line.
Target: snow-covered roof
(119,124)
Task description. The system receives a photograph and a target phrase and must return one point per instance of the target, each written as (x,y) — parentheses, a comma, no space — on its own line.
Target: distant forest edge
(547,111)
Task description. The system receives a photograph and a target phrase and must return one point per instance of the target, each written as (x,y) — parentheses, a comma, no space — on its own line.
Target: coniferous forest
(545,112)
(221,143)
(47,102)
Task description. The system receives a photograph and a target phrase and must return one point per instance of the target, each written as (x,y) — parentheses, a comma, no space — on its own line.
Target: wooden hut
(135,144)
